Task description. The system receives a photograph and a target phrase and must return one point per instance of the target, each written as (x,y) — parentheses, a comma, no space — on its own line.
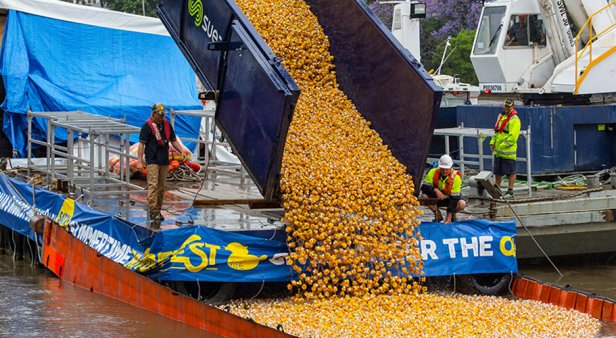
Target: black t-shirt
(155,153)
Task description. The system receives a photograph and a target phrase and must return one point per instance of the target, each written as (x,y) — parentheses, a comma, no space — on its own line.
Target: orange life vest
(501,123)
(448,183)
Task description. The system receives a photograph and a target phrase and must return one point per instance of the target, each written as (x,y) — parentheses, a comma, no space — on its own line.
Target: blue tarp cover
(55,65)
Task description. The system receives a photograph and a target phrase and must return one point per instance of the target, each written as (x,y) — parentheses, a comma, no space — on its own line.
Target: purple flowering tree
(455,16)
(444,18)
(383,11)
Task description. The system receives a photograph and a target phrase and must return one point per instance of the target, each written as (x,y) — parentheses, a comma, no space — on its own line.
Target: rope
(537,199)
(604,175)
(273,235)
(39,248)
(511,283)
(199,291)
(14,244)
(31,253)
(184,173)
(570,187)
(258,293)
(18,193)
(530,235)
(201,180)
(578,181)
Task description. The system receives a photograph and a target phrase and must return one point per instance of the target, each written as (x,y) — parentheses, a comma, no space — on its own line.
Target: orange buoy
(193,166)
(598,307)
(594,307)
(608,313)
(544,295)
(580,302)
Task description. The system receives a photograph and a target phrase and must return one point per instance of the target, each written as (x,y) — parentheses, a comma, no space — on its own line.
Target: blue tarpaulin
(55,65)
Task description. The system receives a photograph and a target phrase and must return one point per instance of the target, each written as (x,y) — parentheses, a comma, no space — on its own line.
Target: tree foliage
(132,6)
(429,42)
(456,18)
(458,63)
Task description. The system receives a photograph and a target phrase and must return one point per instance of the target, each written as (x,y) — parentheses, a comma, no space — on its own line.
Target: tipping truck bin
(256,95)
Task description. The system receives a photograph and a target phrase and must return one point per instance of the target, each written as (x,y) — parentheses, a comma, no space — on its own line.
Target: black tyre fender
(486,284)
(209,292)
(220,292)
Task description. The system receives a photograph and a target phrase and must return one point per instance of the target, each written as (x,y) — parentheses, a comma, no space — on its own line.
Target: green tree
(132,6)
(459,62)
(429,42)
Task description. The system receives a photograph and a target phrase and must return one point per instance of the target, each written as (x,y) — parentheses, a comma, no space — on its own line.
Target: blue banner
(202,254)
(113,237)
(468,247)
(198,253)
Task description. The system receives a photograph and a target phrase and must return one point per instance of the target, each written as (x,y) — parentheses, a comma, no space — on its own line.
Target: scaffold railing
(83,160)
(213,142)
(477,158)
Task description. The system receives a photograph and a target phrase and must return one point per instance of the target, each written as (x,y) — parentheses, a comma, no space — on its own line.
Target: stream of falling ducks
(349,204)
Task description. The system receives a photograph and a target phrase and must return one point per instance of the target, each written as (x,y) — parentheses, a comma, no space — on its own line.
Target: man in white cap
(444,183)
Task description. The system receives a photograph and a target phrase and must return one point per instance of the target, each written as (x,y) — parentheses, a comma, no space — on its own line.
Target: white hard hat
(445,162)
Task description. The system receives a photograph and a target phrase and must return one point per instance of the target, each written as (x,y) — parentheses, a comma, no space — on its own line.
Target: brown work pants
(157,176)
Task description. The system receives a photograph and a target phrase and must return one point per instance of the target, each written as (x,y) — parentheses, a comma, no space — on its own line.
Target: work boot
(437,216)
(508,194)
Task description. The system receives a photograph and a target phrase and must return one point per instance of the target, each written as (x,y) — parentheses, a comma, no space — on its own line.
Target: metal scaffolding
(211,138)
(477,160)
(84,161)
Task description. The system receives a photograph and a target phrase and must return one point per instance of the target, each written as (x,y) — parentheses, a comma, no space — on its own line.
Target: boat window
(525,30)
(537,30)
(489,29)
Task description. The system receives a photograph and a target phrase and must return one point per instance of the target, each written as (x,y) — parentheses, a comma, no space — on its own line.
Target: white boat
(456,93)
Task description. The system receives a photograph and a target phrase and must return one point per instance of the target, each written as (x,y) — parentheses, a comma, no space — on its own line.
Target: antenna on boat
(444,58)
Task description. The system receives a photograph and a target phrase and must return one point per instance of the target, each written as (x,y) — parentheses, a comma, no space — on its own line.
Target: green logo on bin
(195,7)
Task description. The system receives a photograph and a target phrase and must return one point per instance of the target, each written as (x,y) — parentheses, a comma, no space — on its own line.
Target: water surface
(33,303)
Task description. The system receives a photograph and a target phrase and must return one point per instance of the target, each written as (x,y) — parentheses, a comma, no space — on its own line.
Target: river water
(33,303)
(590,273)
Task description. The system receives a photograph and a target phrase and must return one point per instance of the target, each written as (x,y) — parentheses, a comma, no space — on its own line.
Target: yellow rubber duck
(240,259)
